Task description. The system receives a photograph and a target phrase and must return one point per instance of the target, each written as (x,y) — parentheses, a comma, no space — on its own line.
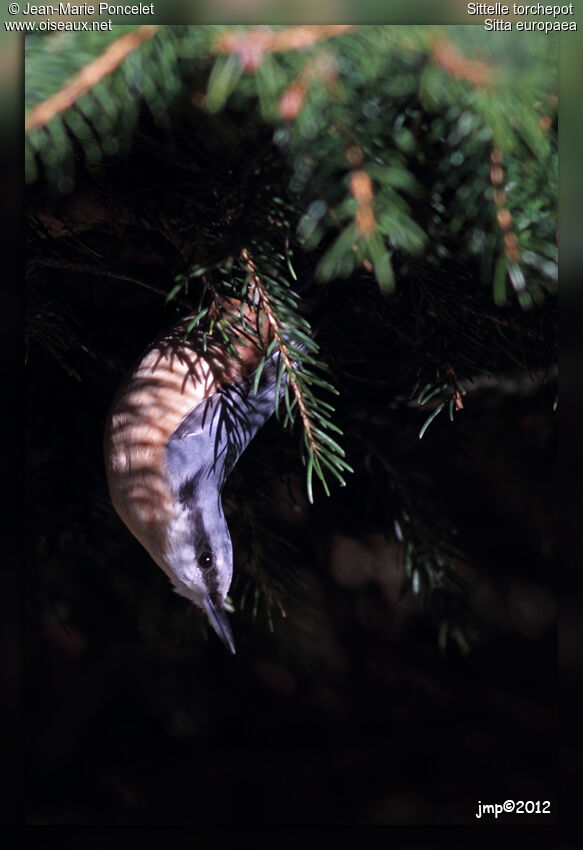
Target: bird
(177,425)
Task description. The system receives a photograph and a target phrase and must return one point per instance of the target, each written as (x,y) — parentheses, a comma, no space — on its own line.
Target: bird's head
(199,554)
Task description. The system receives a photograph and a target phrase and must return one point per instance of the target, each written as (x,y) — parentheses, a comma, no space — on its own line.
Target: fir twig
(452,60)
(298,351)
(283,348)
(87,78)
(256,42)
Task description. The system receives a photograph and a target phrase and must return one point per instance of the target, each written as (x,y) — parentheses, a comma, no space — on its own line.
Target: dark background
(347,712)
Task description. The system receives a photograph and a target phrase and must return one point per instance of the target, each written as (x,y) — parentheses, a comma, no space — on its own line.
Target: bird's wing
(211,438)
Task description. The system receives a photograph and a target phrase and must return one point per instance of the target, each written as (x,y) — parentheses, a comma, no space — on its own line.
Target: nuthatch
(176,429)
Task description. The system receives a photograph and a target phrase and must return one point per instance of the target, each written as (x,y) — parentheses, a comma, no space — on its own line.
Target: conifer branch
(281,343)
(322,455)
(87,78)
(449,57)
(252,45)
(369,148)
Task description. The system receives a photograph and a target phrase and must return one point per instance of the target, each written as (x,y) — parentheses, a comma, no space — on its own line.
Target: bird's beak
(219,622)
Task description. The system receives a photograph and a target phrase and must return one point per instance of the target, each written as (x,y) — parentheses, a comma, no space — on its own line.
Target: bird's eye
(205,560)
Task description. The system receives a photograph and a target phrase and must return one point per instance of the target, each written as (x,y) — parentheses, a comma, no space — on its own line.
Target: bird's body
(175,430)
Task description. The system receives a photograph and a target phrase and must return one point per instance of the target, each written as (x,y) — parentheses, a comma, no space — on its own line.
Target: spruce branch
(298,349)
(84,96)
(283,348)
(250,46)
(449,57)
(87,78)
(432,560)
(409,105)
(374,145)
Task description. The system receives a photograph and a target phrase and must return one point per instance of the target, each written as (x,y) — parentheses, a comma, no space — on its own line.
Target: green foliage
(301,365)
(359,161)
(101,122)
(374,99)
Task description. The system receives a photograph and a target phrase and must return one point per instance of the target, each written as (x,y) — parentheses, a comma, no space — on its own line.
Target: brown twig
(275,326)
(452,60)
(323,67)
(362,192)
(457,391)
(503,215)
(87,78)
(251,45)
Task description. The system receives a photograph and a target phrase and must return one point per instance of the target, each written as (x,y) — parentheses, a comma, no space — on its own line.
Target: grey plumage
(174,435)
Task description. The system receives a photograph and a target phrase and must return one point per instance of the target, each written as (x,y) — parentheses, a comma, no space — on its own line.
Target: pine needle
(87,78)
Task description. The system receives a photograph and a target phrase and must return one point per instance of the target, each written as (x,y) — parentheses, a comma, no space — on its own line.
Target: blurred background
(396,640)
